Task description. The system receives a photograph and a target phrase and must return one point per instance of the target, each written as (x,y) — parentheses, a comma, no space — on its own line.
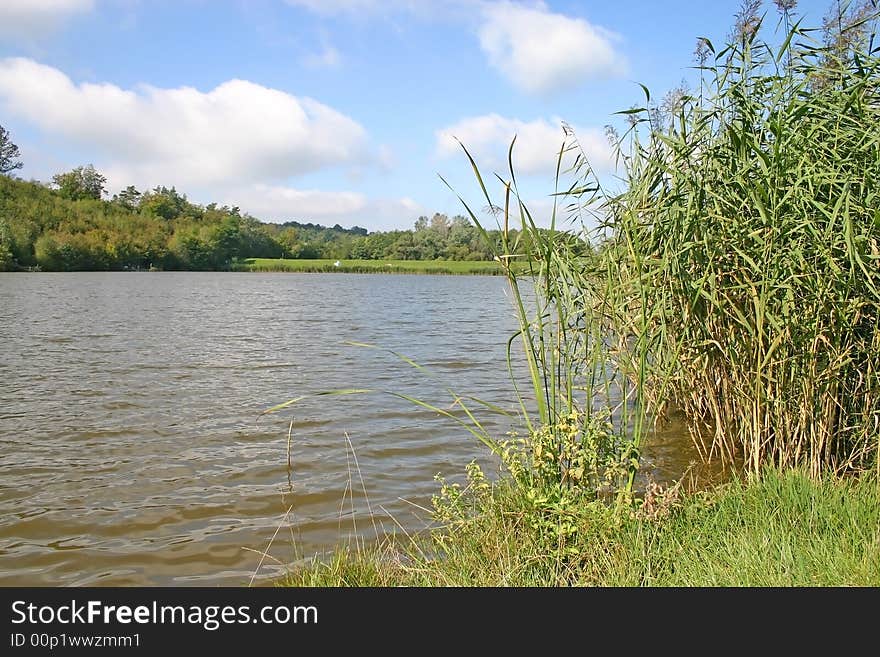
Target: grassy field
(373,266)
(785,530)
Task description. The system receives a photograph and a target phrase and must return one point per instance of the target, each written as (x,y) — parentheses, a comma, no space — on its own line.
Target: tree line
(71,225)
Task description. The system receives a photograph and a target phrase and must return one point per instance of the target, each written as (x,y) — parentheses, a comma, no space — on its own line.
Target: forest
(70,225)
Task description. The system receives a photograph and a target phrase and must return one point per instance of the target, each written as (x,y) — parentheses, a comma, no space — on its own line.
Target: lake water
(133,452)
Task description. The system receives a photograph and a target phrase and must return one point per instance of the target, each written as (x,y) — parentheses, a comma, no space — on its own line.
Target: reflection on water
(131,444)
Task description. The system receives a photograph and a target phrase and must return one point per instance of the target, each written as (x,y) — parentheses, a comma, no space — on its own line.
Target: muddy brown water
(132,450)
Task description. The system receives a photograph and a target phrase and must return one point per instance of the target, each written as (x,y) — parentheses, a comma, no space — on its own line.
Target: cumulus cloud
(23,19)
(488,139)
(280,203)
(239,131)
(539,51)
(543,52)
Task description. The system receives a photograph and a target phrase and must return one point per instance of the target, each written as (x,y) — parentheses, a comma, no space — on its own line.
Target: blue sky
(335,111)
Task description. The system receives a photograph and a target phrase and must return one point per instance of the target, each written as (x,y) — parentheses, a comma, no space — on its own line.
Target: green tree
(7,262)
(461,238)
(221,241)
(440,224)
(255,241)
(288,241)
(429,245)
(189,250)
(306,251)
(360,249)
(81,183)
(129,198)
(405,248)
(168,204)
(9,153)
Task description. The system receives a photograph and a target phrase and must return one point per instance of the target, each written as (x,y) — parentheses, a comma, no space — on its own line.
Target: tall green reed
(583,407)
(747,239)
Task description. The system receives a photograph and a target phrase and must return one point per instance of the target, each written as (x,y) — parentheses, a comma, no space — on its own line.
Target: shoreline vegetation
(736,279)
(453,267)
(65,227)
(782,529)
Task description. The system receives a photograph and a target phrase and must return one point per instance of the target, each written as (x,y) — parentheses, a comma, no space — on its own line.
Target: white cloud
(23,19)
(488,139)
(279,203)
(237,132)
(329,57)
(543,52)
(540,51)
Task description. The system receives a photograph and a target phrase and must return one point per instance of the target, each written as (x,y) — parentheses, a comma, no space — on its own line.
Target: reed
(736,276)
(583,408)
(747,247)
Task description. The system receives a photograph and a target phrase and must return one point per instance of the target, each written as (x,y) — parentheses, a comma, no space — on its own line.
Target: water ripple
(131,438)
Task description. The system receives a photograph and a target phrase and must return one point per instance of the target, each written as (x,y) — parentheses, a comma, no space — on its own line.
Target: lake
(133,451)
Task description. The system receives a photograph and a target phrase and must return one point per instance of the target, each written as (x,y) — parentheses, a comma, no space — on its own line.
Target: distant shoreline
(452,267)
(322,266)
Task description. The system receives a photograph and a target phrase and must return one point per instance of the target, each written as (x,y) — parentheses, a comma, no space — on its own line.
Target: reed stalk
(747,241)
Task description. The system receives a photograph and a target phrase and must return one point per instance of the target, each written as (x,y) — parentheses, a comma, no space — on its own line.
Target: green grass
(783,530)
(373,266)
